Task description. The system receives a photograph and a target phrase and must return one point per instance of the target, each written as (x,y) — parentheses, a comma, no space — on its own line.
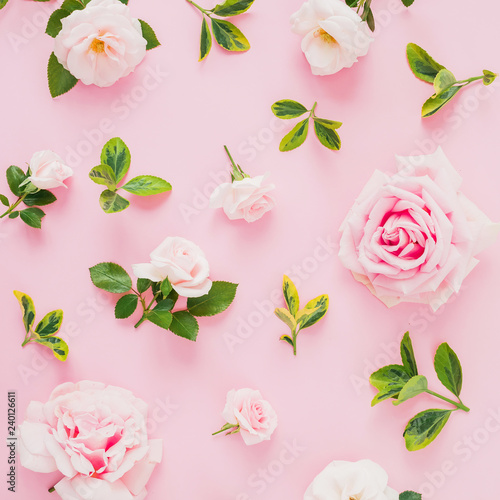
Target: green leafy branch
(297,319)
(228,429)
(226,34)
(410,495)
(60,79)
(326,130)
(446,86)
(45,331)
(115,163)
(363,8)
(28,194)
(402,382)
(158,300)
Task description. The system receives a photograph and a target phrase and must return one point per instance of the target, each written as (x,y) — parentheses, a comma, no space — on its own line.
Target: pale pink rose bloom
(334,36)
(340,480)
(182,262)
(101,43)
(244,199)
(48,170)
(96,436)
(413,236)
(254,415)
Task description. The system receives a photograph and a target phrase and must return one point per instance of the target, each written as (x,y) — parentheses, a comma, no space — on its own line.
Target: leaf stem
(206,12)
(312,110)
(141,321)
(14,206)
(238,173)
(459,405)
(51,490)
(294,339)
(226,427)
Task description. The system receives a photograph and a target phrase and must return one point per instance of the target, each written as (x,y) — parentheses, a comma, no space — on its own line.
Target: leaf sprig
(367,14)
(446,86)
(115,163)
(226,34)
(326,130)
(297,319)
(158,300)
(402,382)
(44,333)
(28,194)
(60,79)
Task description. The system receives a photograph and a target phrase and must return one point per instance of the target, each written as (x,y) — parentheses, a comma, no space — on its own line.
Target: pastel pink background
(176,129)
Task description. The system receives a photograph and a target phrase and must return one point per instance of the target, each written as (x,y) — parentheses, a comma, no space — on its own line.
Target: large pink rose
(48,170)
(247,198)
(254,417)
(101,43)
(96,436)
(413,236)
(182,262)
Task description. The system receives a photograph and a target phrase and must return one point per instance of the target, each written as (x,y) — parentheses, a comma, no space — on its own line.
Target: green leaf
(424,427)
(13,215)
(232,7)
(126,306)
(287,109)
(415,386)
(489,77)
(229,37)
(313,311)
(112,202)
(146,185)
(408,356)
(3,3)
(410,495)
(370,20)
(27,308)
(32,217)
(435,103)
(104,175)
(422,64)
(165,287)
(149,35)
(389,380)
(407,3)
(352,3)
(54,25)
(59,347)
(160,318)
(143,284)
(287,339)
(326,133)
(217,300)
(448,369)
(296,136)
(15,176)
(205,40)
(72,5)
(4,200)
(40,198)
(60,79)
(285,316)
(291,295)
(444,79)
(50,324)
(116,154)
(110,277)
(184,325)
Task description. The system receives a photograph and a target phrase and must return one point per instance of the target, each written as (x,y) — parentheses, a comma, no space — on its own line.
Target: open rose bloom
(251,414)
(363,480)
(334,36)
(101,43)
(413,236)
(48,170)
(96,436)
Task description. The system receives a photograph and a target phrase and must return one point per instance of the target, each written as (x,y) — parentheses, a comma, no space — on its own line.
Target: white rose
(182,262)
(363,480)
(101,43)
(48,170)
(334,35)
(244,199)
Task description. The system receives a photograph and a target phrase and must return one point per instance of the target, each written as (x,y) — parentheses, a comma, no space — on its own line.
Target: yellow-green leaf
(27,308)
(291,295)
(285,316)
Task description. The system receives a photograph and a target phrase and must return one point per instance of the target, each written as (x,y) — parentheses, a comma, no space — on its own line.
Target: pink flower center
(97,46)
